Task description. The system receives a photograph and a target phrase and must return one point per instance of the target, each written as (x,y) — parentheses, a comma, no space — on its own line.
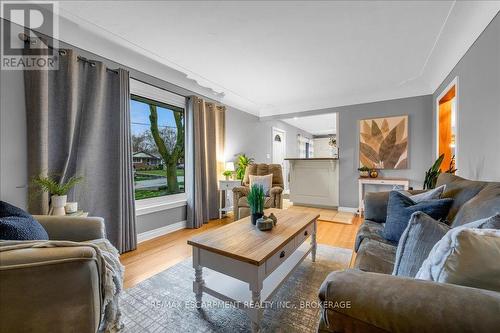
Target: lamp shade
(229,166)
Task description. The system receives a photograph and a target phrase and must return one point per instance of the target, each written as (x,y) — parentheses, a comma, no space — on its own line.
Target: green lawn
(146,194)
(180,172)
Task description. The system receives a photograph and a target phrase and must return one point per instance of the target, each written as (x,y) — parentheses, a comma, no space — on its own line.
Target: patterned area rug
(165,302)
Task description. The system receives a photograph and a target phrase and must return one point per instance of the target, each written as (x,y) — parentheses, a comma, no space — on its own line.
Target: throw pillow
(265,181)
(427,195)
(484,204)
(7,209)
(400,208)
(467,257)
(16,224)
(416,242)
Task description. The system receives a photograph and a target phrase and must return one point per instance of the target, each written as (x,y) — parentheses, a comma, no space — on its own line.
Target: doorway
(279,152)
(447,107)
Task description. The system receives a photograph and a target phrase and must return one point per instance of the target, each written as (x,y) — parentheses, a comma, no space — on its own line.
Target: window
(157,143)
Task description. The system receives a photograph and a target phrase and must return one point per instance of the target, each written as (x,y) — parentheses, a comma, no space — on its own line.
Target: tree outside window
(158,148)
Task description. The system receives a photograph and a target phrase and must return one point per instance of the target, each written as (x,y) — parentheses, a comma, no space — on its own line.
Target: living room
(268,166)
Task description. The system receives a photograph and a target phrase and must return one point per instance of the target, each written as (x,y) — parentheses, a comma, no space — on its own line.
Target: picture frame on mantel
(383,143)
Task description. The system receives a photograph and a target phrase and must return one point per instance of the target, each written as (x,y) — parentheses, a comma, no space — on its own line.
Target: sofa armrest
(238,192)
(395,304)
(72,228)
(276,194)
(275,190)
(242,191)
(58,287)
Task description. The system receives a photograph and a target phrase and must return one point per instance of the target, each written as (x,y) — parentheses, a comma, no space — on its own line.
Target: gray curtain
(205,123)
(78,122)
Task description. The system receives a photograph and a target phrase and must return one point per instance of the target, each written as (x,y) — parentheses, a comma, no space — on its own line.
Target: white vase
(58,202)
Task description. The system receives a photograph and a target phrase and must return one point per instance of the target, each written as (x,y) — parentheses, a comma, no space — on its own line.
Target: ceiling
(322,124)
(278,57)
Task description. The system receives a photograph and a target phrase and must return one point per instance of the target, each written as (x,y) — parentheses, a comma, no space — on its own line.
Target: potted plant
(364,172)
(243,162)
(434,171)
(227,174)
(256,198)
(57,190)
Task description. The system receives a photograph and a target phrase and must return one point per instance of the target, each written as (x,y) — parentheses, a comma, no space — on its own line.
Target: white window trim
(156,94)
(158,204)
(166,202)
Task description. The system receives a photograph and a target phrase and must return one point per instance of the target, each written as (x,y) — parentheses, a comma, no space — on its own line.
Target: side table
(224,187)
(405,183)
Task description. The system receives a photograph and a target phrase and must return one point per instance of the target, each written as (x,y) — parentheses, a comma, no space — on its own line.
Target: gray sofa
(380,302)
(53,289)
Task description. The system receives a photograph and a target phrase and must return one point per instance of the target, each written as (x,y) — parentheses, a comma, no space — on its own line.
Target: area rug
(336,216)
(165,302)
(327,215)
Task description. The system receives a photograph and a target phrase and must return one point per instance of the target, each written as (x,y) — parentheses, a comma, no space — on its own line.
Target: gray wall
(478,115)
(419,111)
(246,133)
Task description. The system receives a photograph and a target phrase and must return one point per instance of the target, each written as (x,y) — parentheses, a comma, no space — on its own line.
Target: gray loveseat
(380,302)
(53,289)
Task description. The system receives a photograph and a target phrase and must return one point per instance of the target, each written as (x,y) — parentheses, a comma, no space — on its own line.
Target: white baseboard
(150,234)
(348,209)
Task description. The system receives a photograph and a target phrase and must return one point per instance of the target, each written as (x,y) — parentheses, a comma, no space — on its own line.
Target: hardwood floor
(156,255)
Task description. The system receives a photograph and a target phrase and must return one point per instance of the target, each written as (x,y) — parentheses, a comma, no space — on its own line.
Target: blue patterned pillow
(400,208)
(16,224)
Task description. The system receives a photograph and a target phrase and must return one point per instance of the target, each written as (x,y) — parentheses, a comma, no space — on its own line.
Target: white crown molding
(82,34)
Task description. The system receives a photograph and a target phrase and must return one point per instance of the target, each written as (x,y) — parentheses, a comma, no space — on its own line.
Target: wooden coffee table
(245,266)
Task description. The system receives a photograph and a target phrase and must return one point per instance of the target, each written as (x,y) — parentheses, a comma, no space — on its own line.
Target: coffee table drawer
(301,237)
(279,257)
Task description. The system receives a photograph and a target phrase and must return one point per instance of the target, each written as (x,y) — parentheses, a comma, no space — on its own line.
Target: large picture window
(158,147)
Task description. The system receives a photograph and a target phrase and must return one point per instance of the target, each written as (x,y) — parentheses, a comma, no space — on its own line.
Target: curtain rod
(26,39)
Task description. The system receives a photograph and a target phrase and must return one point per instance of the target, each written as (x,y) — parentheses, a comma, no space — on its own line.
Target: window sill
(153,205)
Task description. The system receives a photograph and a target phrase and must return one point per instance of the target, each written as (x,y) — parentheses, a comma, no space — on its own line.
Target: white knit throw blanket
(110,268)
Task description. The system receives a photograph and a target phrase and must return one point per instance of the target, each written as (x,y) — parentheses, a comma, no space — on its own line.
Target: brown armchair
(274,200)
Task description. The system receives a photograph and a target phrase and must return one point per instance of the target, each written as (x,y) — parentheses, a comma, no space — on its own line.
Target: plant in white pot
(57,190)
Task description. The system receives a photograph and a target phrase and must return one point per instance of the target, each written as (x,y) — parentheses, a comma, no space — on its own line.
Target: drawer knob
(282,254)
(305,233)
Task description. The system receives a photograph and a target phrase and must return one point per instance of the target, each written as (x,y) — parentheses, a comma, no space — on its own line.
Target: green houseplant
(243,162)
(57,190)
(227,174)
(256,198)
(433,173)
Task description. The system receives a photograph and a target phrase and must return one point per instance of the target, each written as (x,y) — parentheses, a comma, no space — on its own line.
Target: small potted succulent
(256,198)
(227,174)
(57,190)
(364,172)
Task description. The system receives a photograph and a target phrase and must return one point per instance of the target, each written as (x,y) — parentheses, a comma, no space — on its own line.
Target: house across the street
(145,160)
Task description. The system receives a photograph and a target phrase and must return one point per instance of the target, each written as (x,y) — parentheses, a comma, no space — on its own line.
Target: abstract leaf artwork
(383,143)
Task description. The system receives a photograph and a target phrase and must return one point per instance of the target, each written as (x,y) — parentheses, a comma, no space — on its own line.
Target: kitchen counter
(314,181)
